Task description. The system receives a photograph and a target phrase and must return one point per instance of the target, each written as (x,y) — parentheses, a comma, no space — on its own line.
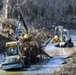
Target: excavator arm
(23,19)
(20,19)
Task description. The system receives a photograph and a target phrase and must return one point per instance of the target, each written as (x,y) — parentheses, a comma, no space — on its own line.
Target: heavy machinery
(13,56)
(62,37)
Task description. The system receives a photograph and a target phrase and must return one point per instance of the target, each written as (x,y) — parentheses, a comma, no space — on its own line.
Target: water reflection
(56,51)
(43,67)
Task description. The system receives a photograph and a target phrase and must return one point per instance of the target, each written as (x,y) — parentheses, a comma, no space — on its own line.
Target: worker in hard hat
(28,44)
(28,38)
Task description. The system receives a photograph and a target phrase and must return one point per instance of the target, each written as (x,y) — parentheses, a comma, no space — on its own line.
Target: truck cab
(12,58)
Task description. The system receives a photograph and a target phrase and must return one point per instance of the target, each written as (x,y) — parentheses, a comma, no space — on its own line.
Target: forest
(42,12)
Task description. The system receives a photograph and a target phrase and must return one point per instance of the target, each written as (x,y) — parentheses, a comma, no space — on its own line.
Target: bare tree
(6,9)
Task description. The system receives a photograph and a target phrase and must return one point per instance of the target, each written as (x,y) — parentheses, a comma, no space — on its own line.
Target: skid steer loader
(62,37)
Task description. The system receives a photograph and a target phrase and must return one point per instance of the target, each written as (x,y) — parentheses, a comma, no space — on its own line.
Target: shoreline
(69,67)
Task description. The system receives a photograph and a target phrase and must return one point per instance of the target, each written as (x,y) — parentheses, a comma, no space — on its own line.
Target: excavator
(13,57)
(62,37)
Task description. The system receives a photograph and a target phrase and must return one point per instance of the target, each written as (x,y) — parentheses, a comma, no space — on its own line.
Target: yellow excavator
(62,37)
(13,57)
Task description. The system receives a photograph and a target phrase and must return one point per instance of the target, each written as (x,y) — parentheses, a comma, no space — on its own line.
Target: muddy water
(56,51)
(46,66)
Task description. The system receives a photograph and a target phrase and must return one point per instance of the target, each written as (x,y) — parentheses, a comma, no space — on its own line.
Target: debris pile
(39,32)
(7,32)
(8,28)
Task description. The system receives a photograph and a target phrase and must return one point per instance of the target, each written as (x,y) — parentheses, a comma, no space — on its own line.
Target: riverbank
(69,67)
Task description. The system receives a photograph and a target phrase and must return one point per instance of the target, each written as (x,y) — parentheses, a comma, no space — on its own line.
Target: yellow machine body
(11,44)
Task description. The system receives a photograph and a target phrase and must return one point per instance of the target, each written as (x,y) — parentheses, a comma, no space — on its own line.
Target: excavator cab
(12,59)
(11,48)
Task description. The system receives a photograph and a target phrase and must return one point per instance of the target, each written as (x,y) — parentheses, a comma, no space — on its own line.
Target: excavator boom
(23,19)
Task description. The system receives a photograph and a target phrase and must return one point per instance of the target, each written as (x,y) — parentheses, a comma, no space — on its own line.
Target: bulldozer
(62,37)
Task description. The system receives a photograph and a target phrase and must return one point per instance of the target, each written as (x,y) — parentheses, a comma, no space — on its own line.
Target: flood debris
(9,27)
(7,32)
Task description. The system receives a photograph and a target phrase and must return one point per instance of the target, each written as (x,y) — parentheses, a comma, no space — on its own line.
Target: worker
(29,40)
(28,44)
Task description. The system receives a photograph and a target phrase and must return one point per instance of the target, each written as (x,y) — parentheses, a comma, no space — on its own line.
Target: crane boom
(17,32)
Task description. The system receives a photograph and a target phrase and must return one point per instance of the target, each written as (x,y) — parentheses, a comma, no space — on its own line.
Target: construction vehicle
(62,37)
(14,58)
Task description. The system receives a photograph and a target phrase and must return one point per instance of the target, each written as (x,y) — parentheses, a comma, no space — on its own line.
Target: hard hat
(56,37)
(27,36)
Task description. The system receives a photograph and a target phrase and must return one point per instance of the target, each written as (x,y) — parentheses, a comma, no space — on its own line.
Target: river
(45,66)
